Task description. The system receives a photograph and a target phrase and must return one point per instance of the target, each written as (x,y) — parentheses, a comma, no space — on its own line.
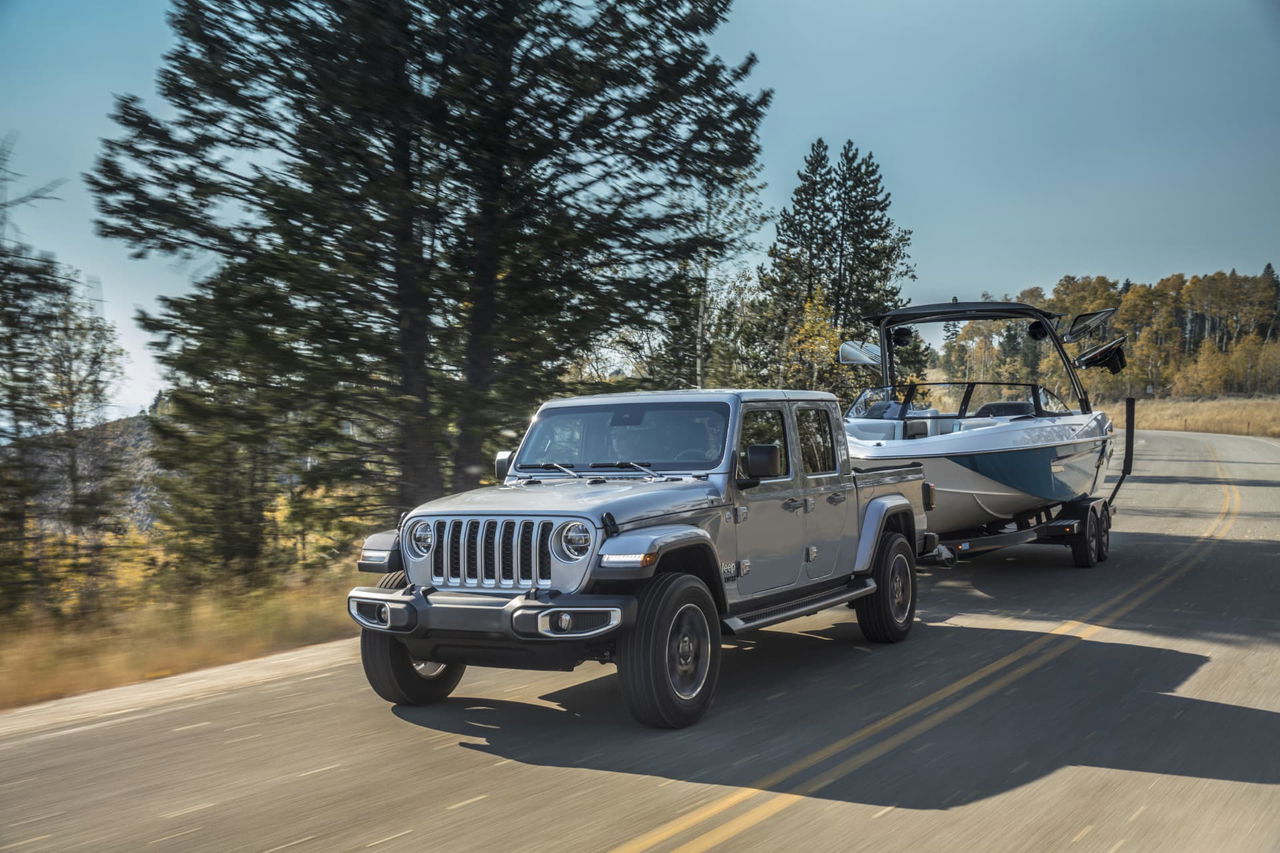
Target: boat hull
(978,485)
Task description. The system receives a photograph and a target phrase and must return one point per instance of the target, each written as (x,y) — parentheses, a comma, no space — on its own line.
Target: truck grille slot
(495,553)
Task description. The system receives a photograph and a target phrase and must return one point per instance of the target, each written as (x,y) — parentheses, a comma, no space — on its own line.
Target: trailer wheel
(1085,544)
(1104,534)
(886,615)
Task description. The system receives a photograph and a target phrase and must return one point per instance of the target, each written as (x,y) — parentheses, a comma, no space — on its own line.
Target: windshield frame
(523,465)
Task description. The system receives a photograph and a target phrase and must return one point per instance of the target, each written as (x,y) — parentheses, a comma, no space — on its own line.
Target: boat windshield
(957,400)
(676,436)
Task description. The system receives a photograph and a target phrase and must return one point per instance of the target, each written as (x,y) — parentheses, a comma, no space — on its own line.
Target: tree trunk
(475,415)
(417,451)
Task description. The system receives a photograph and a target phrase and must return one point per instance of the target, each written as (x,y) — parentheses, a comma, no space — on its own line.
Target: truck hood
(628,500)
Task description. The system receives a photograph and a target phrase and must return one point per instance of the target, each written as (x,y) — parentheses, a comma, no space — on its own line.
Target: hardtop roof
(745,395)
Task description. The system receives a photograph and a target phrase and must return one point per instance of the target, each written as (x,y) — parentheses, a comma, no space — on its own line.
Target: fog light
(564,622)
(384,615)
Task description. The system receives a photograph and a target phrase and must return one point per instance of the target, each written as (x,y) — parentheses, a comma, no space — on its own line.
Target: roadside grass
(43,660)
(1230,415)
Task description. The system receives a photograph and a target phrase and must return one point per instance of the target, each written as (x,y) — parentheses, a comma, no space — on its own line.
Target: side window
(817,450)
(764,426)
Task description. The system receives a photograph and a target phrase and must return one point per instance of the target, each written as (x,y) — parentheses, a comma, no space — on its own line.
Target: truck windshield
(688,436)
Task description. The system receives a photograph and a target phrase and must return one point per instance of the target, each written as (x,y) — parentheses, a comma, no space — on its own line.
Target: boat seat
(1005,409)
(872,430)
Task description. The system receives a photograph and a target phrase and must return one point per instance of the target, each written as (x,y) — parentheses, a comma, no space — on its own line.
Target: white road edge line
(320,769)
(290,844)
(388,838)
(465,802)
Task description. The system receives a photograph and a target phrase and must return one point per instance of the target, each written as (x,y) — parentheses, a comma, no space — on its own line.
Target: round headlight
(575,540)
(421,537)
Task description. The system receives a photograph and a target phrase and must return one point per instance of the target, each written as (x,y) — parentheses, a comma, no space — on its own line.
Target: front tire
(394,674)
(670,660)
(886,615)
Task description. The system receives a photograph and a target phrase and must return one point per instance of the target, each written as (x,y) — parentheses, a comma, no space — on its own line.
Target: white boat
(995,452)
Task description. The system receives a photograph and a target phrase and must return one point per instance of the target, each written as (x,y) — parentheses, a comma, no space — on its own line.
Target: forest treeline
(1186,336)
(418,221)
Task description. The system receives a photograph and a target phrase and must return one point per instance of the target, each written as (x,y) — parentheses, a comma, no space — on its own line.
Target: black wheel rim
(688,651)
(900,589)
(1104,538)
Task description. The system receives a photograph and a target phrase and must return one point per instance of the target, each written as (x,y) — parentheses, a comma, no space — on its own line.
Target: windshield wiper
(638,466)
(554,466)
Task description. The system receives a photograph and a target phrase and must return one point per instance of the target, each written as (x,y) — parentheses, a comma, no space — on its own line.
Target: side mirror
(502,465)
(1084,324)
(1109,355)
(764,461)
(852,352)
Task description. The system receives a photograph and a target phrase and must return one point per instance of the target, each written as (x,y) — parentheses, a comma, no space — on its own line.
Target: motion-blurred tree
(31,290)
(59,362)
(434,206)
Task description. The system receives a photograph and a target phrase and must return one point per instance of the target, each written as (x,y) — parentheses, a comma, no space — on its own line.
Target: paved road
(1135,706)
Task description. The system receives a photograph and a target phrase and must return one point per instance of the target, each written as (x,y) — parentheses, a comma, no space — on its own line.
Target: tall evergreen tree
(432,206)
(31,289)
(870,253)
(837,237)
(800,259)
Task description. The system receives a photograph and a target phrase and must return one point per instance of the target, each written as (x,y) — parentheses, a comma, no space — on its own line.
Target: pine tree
(870,253)
(31,289)
(800,259)
(1272,281)
(431,208)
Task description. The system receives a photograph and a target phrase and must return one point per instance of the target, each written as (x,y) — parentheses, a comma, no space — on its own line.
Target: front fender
(879,510)
(634,555)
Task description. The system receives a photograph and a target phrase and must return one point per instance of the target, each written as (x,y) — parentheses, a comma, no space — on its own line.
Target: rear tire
(669,660)
(886,615)
(1104,534)
(394,674)
(1084,549)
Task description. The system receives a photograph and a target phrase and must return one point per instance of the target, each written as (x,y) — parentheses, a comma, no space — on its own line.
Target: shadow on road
(1228,596)
(787,694)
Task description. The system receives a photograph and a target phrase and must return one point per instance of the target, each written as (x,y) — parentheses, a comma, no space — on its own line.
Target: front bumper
(539,629)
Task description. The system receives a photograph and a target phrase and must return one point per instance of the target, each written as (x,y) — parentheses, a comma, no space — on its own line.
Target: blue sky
(1022,141)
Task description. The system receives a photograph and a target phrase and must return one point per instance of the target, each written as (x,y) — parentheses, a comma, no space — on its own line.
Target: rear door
(771,535)
(826,493)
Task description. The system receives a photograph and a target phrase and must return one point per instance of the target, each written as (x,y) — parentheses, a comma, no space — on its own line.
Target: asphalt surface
(1036,706)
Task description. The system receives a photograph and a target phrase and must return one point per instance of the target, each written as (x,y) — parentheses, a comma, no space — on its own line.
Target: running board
(857,588)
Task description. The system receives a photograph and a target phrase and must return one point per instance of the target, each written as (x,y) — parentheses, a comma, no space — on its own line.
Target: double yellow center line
(1009,669)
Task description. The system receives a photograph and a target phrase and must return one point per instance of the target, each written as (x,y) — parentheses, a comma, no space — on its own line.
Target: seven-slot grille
(507,553)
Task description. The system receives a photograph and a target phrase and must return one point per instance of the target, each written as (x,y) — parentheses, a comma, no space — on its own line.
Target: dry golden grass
(44,661)
(1235,416)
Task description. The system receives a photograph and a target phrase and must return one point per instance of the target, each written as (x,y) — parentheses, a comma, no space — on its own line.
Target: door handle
(837,498)
(792,504)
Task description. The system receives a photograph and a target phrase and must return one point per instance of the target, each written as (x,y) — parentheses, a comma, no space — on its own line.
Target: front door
(771,536)
(827,495)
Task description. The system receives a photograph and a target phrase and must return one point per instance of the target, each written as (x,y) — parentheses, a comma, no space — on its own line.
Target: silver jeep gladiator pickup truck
(639,529)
